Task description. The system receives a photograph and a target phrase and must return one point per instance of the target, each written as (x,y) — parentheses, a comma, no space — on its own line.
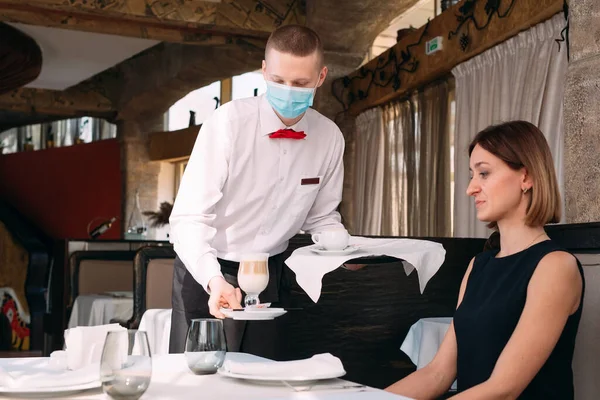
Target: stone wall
(582,114)
(139,174)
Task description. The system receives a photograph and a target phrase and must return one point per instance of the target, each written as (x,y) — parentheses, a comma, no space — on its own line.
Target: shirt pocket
(304,197)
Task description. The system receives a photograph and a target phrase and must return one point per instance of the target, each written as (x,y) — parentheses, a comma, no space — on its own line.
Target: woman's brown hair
(520,144)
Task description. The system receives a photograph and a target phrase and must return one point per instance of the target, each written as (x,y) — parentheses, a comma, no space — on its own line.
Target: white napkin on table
(314,367)
(425,256)
(37,373)
(84,344)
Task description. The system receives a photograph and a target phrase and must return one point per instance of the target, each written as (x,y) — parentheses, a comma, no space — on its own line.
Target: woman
(519,307)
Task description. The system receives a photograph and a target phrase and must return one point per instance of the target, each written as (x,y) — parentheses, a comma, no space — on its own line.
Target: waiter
(262,169)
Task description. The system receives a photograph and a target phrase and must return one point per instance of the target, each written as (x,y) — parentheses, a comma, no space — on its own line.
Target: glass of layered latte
(253,276)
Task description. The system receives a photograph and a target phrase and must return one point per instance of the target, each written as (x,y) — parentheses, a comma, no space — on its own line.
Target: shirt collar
(270,122)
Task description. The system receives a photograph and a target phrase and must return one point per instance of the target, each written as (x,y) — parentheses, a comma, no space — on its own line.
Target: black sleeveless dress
(486,318)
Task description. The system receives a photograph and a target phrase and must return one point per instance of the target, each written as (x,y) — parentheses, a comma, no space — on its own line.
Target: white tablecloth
(99,309)
(424,339)
(171,379)
(157,324)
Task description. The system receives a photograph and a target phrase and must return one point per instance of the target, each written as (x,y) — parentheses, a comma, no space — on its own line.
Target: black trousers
(190,300)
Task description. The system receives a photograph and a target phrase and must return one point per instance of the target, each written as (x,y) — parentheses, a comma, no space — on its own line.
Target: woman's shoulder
(559,261)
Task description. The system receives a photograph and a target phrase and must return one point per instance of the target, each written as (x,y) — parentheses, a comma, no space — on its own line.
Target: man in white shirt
(262,169)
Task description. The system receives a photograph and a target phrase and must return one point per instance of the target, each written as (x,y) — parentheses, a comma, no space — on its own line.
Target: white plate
(256,314)
(312,378)
(315,248)
(57,391)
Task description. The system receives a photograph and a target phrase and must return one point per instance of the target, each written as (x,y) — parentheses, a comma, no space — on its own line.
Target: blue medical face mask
(289,101)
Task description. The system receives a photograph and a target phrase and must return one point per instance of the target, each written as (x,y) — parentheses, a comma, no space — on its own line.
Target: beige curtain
(433,172)
(401,167)
(368,169)
(398,122)
(522,78)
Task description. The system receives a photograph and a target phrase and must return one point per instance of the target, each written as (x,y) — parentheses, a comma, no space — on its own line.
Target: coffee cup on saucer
(334,239)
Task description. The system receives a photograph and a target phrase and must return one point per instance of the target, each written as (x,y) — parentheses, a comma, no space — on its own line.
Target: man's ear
(322,76)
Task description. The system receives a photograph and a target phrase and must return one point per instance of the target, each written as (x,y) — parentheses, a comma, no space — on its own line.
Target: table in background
(424,339)
(100,309)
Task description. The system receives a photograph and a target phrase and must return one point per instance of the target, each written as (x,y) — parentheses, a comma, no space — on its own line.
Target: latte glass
(253,276)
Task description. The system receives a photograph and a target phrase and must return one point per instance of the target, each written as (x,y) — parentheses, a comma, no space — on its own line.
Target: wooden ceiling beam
(190,22)
(69,103)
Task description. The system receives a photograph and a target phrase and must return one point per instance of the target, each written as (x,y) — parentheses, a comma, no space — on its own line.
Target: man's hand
(354,267)
(222,294)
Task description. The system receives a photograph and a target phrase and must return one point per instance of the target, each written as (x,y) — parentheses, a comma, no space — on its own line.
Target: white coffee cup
(334,239)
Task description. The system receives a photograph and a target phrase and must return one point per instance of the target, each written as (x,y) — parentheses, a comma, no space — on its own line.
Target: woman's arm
(435,378)
(553,294)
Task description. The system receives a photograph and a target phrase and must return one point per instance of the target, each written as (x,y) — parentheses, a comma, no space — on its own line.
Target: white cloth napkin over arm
(84,344)
(425,256)
(317,366)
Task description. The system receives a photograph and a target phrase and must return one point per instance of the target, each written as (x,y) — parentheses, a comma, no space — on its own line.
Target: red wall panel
(63,189)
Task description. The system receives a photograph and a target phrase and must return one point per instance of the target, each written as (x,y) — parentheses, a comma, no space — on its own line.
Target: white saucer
(254,314)
(315,248)
(47,392)
(297,378)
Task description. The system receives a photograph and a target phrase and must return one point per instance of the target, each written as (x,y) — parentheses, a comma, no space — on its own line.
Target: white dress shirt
(241,191)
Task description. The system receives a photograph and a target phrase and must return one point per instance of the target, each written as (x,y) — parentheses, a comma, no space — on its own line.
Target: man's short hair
(297,40)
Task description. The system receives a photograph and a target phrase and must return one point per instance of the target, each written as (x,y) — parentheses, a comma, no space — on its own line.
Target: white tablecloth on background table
(171,379)
(423,255)
(99,309)
(157,324)
(424,339)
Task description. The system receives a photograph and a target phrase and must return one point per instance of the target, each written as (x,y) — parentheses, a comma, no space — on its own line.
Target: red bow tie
(287,134)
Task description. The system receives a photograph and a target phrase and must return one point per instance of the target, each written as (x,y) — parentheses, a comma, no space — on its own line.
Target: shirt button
(281,179)
(285,152)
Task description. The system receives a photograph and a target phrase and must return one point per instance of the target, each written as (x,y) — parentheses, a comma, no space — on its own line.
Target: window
(9,142)
(179,169)
(56,134)
(415,16)
(247,84)
(201,101)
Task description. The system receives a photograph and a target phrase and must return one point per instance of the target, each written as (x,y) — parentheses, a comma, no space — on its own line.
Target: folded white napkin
(36,373)
(425,256)
(84,344)
(315,367)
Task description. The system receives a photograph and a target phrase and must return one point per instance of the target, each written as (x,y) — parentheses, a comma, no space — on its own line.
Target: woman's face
(496,188)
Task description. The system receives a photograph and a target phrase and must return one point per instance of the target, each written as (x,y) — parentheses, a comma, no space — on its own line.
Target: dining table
(172,379)
(101,308)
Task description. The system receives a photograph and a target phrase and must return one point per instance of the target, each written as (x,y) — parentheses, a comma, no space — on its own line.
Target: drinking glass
(205,346)
(126,364)
(253,276)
